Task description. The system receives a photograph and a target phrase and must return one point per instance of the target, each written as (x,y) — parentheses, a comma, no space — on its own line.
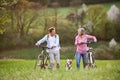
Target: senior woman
(81,49)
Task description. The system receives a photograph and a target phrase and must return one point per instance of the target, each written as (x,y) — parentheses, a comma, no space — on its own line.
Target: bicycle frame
(90,59)
(41,60)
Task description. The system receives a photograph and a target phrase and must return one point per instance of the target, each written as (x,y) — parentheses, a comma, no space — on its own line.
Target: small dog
(68,64)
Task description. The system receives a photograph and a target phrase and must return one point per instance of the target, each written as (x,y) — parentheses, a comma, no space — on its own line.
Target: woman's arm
(76,40)
(92,37)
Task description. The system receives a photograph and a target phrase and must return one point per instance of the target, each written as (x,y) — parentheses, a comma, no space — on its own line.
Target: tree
(102,27)
(78,16)
(3,20)
(55,6)
(4,14)
(96,15)
(21,18)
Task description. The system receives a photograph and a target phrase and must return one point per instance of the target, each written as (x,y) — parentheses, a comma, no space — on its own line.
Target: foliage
(26,24)
(69,32)
(64,3)
(96,13)
(117,51)
(117,30)
(3,20)
(78,15)
(4,15)
(21,19)
(103,28)
(105,52)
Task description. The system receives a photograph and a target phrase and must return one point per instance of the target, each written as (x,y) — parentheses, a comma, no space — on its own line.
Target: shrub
(103,52)
(66,31)
(103,28)
(117,51)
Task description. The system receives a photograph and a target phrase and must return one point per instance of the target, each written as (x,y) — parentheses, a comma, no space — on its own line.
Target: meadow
(18,64)
(20,69)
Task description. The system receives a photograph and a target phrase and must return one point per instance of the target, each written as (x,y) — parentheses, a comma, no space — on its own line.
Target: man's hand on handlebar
(53,47)
(36,44)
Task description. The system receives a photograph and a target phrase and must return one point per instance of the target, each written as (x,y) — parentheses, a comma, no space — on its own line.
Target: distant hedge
(97,1)
(68,2)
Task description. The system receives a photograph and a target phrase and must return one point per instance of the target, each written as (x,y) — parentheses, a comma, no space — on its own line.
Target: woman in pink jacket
(81,49)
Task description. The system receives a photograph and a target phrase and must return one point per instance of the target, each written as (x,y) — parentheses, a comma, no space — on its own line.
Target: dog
(68,64)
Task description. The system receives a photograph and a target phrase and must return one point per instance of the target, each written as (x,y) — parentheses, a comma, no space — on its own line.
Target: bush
(103,28)
(11,40)
(66,32)
(117,51)
(117,30)
(104,52)
(97,15)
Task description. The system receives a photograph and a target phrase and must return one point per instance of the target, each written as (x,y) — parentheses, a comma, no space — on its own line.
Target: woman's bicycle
(42,60)
(90,56)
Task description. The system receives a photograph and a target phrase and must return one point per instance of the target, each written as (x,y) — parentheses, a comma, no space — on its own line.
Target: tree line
(22,23)
(64,3)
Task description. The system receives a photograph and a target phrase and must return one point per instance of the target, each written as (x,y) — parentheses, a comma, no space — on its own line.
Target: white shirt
(51,41)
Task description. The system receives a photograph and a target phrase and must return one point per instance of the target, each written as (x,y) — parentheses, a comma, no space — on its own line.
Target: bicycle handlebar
(44,47)
(87,42)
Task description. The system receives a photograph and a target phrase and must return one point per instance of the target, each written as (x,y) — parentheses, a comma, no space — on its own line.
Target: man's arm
(41,40)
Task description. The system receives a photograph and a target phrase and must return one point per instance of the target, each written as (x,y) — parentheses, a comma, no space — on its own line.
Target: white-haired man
(52,40)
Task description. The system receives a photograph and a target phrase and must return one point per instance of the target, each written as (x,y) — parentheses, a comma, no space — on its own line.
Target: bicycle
(90,56)
(42,60)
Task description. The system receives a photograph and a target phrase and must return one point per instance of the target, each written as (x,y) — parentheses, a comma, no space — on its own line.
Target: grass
(32,53)
(19,69)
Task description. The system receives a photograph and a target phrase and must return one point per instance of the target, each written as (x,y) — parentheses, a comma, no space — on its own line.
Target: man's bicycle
(42,60)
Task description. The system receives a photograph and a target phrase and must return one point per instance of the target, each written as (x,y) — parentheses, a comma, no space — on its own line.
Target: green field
(31,53)
(16,69)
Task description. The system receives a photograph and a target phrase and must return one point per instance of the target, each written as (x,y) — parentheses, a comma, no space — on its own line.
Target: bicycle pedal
(38,65)
(46,64)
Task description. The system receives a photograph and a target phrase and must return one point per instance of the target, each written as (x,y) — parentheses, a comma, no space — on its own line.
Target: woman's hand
(80,43)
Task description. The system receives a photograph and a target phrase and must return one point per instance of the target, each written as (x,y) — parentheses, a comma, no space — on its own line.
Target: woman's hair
(51,29)
(81,31)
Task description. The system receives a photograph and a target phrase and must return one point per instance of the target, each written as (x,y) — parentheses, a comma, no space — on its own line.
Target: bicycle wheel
(46,61)
(39,61)
(93,65)
(88,60)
